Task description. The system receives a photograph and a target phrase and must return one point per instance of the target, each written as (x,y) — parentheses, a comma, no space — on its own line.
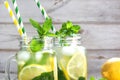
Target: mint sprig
(42,30)
(68,29)
(45,76)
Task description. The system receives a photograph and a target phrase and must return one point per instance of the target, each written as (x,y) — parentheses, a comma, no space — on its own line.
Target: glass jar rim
(67,41)
(28,39)
(25,43)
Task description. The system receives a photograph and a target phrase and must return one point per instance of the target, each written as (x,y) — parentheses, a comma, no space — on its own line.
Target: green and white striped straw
(41,9)
(43,12)
(19,17)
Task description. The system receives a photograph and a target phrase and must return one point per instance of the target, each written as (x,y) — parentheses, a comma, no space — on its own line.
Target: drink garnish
(42,30)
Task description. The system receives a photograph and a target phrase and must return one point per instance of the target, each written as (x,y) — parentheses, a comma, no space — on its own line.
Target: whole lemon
(111,69)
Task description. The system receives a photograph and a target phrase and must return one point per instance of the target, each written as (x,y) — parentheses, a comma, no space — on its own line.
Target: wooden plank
(95,60)
(95,36)
(101,36)
(3,76)
(75,10)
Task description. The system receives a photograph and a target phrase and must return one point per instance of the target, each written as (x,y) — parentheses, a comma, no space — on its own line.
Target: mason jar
(35,60)
(71,55)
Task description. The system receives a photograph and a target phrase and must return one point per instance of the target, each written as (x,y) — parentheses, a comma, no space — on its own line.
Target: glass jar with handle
(35,60)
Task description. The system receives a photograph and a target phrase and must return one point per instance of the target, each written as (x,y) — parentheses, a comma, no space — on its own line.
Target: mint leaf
(68,29)
(50,34)
(45,76)
(40,33)
(61,75)
(36,44)
(92,78)
(47,25)
(44,29)
(75,28)
(49,76)
(81,78)
(69,24)
(35,24)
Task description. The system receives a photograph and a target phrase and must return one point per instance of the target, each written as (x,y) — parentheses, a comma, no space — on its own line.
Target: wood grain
(95,36)
(100,20)
(75,10)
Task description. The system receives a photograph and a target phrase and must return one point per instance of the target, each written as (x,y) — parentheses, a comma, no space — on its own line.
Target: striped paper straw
(19,17)
(41,9)
(13,17)
(43,12)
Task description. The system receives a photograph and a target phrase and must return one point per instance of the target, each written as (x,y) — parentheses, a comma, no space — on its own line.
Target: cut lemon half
(77,66)
(30,72)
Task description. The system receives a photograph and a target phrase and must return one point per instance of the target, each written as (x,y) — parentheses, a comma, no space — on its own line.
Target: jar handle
(7,67)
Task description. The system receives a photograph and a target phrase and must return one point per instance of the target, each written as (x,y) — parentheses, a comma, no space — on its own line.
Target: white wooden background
(100,20)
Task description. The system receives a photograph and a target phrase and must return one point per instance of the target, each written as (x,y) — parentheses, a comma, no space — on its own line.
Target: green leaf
(81,78)
(63,26)
(35,24)
(57,33)
(69,24)
(75,28)
(61,75)
(45,76)
(92,78)
(39,33)
(50,34)
(36,45)
(49,76)
(47,25)
(68,29)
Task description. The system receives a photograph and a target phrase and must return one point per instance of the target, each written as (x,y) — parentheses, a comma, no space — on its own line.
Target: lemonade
(40,60)
(71,59)
(74,64)
(36,64)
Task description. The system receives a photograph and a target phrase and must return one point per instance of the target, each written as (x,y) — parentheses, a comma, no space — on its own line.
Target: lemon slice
(30,72)
(63,64)
(77,66)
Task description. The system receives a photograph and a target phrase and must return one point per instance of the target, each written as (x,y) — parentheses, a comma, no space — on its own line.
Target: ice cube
(23,56)
(38,56)
(68,50)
